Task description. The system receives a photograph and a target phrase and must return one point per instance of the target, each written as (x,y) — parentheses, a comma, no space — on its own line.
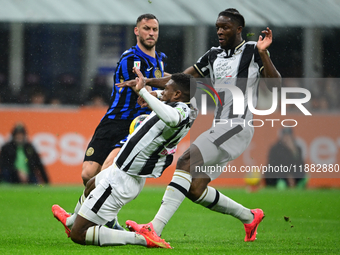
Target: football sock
(216,201)
(70,220)
(103,236)
(172,199)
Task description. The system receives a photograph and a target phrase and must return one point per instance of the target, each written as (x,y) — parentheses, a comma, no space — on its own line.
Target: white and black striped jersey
(150,148)
(241,67)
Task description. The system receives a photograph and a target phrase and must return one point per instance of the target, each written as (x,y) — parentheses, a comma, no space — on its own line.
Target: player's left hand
(264,43)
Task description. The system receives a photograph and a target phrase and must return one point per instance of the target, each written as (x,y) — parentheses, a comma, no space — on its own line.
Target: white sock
(70,220)
(216,201)
(103,236)
(172,199)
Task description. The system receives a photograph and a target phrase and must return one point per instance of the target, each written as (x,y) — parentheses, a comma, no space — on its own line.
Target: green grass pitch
(312,223)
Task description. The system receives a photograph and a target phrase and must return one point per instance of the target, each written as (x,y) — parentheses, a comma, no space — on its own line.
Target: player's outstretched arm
(165,112)
(269,70)
(158,82)
(153,82)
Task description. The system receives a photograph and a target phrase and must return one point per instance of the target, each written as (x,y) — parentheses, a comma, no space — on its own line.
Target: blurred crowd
(20,162)
(66,90)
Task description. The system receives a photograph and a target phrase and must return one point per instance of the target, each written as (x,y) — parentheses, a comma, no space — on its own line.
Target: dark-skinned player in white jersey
(240,63)
(147,152)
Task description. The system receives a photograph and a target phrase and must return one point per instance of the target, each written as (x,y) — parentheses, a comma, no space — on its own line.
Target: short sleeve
(202,64)
(126,66)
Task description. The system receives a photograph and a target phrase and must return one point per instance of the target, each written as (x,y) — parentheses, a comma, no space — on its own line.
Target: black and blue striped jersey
(123,101)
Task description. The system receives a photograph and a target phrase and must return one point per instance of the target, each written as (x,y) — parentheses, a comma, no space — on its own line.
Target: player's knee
(85,178)
(90,169)
(78,236)
(90,185)
(197,188)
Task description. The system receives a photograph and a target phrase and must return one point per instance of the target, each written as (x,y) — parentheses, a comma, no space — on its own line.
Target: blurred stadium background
(57,59)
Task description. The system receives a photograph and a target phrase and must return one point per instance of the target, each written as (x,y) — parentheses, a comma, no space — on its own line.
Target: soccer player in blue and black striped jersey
(114,126)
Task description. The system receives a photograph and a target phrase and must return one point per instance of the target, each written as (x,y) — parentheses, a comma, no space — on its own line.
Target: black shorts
(107,136)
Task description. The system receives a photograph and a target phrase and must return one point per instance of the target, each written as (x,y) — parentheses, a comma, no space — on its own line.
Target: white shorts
(221,144)
(114,189)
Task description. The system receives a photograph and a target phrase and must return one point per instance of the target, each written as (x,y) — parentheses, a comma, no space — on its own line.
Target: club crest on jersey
(89,151)
(238,52)
(158,73)
(136,64)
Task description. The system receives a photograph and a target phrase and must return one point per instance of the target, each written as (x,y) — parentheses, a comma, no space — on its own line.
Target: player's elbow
(171,121)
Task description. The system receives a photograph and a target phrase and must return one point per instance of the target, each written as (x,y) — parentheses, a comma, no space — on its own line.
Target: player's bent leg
(208,196)
(90,169)
(110,158)
(173,197)
(90,233)
(198,186)
(183,161)
(79,229)
(90,185)
(200,180)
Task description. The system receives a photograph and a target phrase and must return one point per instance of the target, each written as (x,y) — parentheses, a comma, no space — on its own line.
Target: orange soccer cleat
(152,239)
(251,228)
(61,215)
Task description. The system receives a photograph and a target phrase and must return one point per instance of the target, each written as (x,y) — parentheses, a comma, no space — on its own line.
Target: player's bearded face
(148,42)
(148,33)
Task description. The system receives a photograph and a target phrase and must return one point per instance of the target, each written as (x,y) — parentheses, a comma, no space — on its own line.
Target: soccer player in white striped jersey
(147,152)
(234,61)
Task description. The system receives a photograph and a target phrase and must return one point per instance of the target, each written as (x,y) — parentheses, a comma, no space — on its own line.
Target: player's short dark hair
(146,16)
(234,15)
(185,83)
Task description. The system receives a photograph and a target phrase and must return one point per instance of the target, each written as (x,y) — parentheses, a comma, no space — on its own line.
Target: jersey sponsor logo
(136,64)
(168,151)
(238,52)
(89,152)
(222,68)
(227,76)
(149,69)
